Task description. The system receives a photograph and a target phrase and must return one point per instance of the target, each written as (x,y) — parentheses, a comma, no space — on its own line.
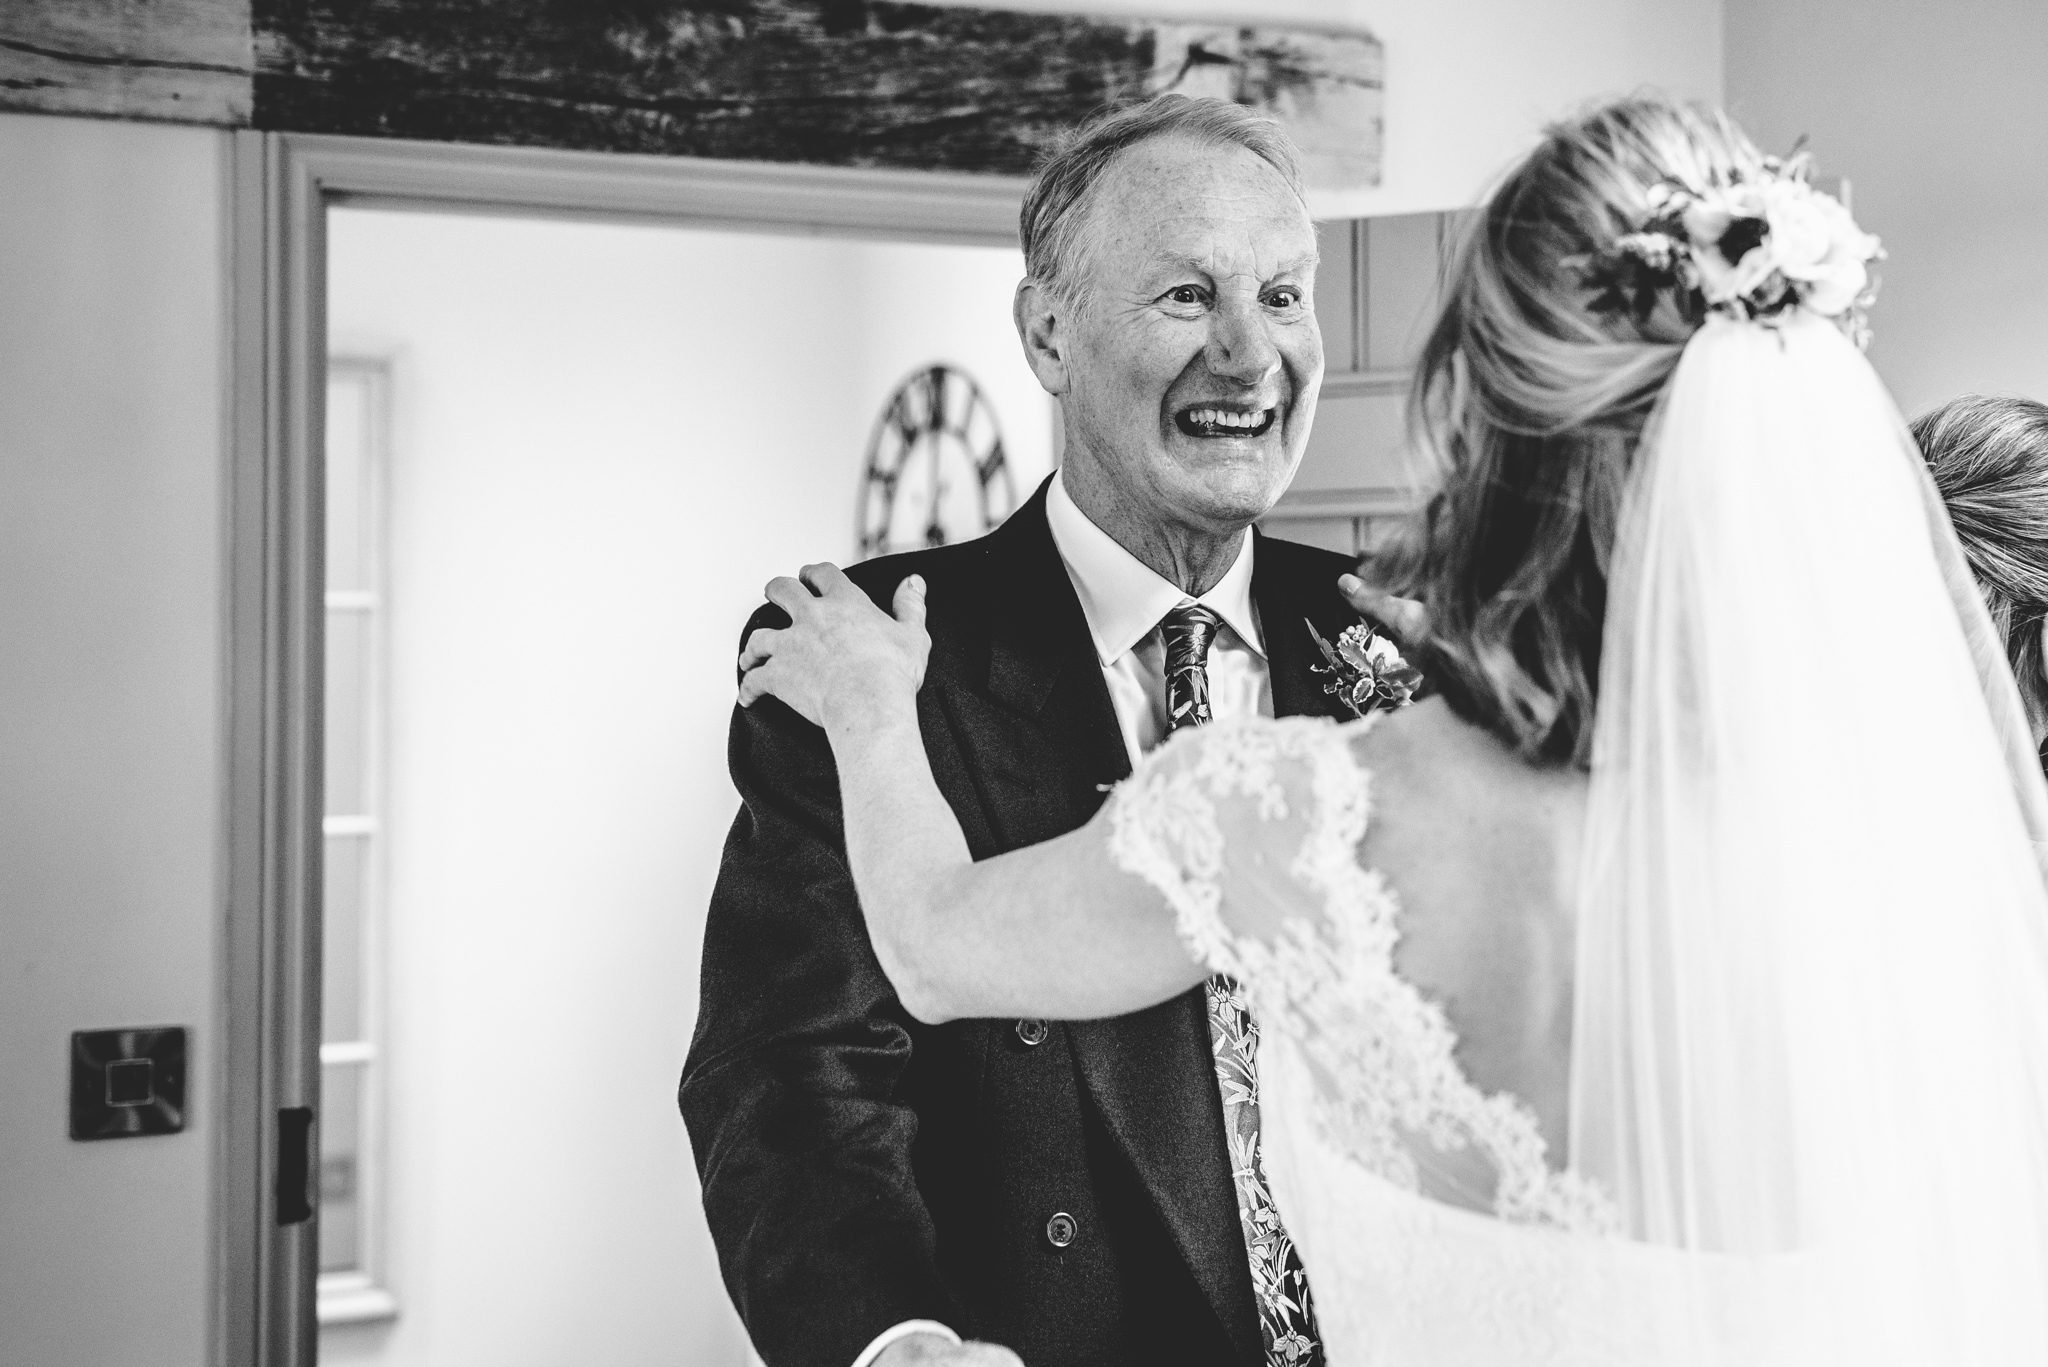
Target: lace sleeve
(1247,828)
(1251,830)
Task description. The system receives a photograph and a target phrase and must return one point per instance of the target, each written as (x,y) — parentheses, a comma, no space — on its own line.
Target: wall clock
(935,469)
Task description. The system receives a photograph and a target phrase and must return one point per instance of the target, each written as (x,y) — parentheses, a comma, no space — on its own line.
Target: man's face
(1192,366)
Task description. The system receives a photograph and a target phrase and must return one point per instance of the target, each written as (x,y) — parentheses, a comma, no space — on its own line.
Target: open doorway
(580,407)
(563,456)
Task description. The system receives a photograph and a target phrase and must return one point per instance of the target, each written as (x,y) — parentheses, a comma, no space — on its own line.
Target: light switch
(127,1082)
(131,1082)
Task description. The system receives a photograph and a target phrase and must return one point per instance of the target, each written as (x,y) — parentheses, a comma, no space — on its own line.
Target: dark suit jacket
(861,1169)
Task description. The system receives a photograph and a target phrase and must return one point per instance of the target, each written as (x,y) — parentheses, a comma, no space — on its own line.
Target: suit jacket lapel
(1041,736)
(1288,600)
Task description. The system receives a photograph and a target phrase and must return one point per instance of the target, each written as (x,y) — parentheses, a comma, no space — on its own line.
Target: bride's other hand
(841,658)
(1406,618)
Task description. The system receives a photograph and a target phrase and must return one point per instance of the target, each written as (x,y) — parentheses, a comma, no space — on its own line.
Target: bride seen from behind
(1672,985)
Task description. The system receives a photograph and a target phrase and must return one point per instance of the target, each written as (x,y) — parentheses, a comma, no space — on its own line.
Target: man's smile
(1225,420)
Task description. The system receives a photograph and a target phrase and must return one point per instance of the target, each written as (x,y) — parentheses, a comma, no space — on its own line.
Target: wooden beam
(831,82)
(180,61)
(862,83)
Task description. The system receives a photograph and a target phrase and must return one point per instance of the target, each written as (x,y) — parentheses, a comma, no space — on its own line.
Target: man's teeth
(1217,417)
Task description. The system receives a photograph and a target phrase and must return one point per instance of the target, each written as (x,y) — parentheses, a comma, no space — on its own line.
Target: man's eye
(1285,298)
(1184,294)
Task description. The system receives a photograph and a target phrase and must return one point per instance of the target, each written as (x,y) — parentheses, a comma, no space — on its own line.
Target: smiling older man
(1083,1192)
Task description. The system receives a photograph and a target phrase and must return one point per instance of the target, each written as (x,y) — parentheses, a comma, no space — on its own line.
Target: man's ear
(1041,320)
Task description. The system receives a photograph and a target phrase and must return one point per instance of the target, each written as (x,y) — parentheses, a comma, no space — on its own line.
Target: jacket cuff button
(1033,1033)
(1061,1229)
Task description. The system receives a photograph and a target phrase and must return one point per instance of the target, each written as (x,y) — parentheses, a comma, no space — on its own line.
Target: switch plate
(127,1082)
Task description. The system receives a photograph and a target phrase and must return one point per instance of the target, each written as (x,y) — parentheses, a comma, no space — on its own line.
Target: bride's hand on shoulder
(1406,619)
(841,660)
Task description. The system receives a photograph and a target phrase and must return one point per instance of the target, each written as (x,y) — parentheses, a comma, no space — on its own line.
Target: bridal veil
(1810,1036)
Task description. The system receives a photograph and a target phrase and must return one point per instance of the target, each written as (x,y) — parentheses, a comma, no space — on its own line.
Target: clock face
(936,473)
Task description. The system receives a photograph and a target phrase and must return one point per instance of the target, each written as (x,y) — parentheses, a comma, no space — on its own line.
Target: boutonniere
(1366,670)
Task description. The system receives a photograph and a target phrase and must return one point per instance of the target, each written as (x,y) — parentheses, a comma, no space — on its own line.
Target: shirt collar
(1122,597)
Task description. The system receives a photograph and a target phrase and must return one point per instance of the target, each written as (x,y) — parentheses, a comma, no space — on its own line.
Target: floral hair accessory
(1365,670)
(1753,249)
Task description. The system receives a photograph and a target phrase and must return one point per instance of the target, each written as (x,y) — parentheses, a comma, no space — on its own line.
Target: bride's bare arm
(1056,929)
(1050,930)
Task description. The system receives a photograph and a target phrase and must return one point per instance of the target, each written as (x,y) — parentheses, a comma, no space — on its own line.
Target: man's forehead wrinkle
(1247,258)
(1167,206)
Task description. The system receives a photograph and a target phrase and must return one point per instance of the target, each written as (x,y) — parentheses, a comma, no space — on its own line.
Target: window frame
(364,1293)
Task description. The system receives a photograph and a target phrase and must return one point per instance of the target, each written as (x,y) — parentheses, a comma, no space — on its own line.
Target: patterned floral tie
(1287,1318)
(1188,630)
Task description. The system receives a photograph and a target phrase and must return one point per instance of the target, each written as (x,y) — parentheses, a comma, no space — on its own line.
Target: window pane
(348,687)
(344,886)
(347,482)
(341,1172)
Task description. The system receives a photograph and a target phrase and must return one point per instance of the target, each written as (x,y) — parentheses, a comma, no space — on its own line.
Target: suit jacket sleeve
(791,1088)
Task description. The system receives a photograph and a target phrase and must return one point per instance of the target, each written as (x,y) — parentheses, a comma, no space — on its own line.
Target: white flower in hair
(1730,263)
(1818,245)
(1751,249)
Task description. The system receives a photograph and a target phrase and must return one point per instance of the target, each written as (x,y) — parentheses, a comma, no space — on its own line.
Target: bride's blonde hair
(1531,402)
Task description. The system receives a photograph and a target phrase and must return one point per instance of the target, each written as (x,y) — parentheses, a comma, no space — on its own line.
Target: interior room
(484,475)
(639,375)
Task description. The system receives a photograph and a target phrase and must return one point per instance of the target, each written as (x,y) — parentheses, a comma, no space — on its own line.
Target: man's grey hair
(1056,205)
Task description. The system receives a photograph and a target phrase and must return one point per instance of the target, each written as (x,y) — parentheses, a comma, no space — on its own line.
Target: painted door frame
(281,186)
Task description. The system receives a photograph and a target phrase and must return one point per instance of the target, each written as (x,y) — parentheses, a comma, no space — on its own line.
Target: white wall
(917,304)
(1938,115)
(608,438)
(112,355)
(1469,82)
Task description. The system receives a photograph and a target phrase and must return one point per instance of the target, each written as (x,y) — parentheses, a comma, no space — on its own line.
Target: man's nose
(1240,344)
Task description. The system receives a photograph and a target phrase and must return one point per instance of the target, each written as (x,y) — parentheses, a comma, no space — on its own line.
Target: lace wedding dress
(1809,1055)
(1433,1227)
(1377,1145)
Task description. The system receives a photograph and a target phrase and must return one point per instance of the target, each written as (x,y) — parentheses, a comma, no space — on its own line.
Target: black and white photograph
(1031,683)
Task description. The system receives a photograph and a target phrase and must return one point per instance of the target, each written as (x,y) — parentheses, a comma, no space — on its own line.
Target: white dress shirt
(1123,600)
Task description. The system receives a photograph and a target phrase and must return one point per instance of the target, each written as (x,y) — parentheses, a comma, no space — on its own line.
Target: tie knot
(1188,630)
